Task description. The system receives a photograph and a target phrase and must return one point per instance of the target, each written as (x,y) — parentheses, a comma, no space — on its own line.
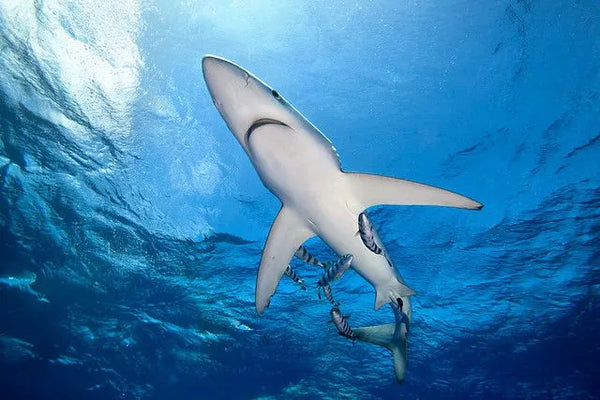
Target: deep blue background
(131,223)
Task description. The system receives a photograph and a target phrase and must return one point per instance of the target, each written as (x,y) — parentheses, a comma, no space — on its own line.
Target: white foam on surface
(73,63)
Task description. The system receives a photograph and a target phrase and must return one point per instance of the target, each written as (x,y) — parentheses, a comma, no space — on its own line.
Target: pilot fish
(305,256)
(336,270)
(367,234)
(341,323)
(333,272)
(290,272)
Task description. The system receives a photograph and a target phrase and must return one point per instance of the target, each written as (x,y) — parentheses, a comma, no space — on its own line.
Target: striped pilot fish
(336,270)
(367,234)
(292,274)
(333,272)
(329,295)
(305,256)
(365,229)
(341,323)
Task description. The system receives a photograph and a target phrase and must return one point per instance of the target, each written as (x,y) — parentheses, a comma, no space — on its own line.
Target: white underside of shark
(299,165)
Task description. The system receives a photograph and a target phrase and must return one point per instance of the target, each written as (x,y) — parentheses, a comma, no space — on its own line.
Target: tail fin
(390,293)
(384,335)
(399,361)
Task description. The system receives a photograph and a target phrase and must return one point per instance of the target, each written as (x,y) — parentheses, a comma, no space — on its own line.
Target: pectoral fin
(372,190)
(287,233)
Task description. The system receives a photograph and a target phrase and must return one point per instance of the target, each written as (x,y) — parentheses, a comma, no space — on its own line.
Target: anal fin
(388,293)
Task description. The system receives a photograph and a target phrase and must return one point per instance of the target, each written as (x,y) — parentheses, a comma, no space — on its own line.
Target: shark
(300,166)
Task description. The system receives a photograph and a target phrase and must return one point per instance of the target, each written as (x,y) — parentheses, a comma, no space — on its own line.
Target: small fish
(341,323)
(334,271)
(290,272)
(329,295)
(365,229)
(305,256)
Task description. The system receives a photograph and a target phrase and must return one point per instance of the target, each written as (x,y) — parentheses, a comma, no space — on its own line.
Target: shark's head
(244,101)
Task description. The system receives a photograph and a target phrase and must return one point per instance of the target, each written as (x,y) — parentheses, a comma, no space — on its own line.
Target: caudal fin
(386,336)
(399,353)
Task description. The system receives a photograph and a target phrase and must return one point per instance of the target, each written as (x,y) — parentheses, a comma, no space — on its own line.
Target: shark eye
(275,94)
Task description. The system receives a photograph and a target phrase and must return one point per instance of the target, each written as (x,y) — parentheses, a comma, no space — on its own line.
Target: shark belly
(374,268)
(305,175)
(295,166)
(338,230)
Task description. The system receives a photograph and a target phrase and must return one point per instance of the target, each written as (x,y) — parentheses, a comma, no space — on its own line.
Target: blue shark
(300,166)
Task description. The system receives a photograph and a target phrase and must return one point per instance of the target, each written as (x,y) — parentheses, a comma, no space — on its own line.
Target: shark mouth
(261,122)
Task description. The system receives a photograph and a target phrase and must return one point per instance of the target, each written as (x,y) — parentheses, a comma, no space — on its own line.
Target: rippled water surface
(132,223)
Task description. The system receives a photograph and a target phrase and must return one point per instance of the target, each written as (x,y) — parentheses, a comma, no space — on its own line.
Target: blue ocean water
(132,223)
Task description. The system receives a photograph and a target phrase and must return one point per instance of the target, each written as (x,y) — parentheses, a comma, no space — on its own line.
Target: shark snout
(232,90)
(213,64)
(244,102)
(223,78)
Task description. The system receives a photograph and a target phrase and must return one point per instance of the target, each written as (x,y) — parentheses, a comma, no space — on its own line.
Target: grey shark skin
(299,165)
